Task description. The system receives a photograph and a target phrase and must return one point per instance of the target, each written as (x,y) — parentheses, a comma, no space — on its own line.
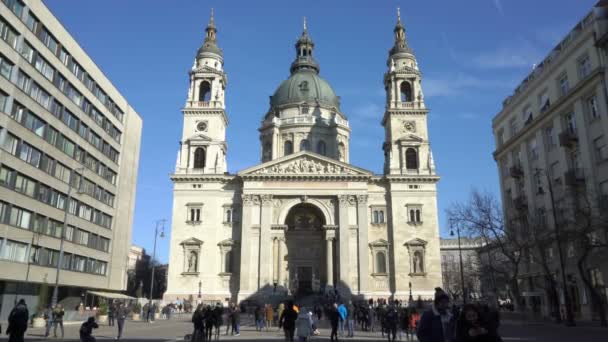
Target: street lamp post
(411,298)
(200,286)
(567,302)
(162,235)
(464,297)
(55,296)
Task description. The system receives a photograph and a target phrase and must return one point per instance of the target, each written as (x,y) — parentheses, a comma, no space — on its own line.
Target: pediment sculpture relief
(306,166)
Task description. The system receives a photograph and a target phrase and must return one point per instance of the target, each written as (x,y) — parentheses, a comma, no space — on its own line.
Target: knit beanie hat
(440,295)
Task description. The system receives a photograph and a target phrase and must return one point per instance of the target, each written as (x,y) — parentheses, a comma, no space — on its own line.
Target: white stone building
(304,220)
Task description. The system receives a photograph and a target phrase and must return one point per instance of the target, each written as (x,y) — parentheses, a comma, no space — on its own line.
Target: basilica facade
(304,220)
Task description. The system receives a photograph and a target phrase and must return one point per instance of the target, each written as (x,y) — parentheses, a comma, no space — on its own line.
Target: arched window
(228,262)
(406,92)
(376,216)
(204,92)
(341,152)
(381,216)
(304,145)
(418,215)
(418,262)
(288,148)
(380,262)
(199,158)
(267,152)
(412,215)
(411,159)
(193,262)
(321,148)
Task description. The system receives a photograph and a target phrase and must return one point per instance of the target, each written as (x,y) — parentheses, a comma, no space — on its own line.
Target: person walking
(269,314)
(58,314)
(343,313)
(437,323)
(17,322)
(48,316)
(257,316)
(304,325)
(218,311)
(235,320)
(209,317)
(198,332)
(121,316)
(287,321)
(472,327)
(334,320)
(350,319)
(86,330)
(111,314)
(404,322)
(391,320)
(280,310)
(414,319)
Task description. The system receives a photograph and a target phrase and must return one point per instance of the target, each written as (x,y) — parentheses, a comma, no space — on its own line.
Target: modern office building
(552,155)
(69,153)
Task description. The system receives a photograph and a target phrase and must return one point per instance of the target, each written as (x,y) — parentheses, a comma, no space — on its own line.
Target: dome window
(321,148)
(288,148)
(303,86)
(304,145)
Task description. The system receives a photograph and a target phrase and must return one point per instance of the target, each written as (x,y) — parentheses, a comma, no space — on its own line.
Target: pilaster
(245,269)
(362,255)
(343,261)
(265,255)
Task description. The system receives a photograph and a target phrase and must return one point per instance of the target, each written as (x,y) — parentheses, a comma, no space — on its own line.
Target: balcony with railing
(204,104)
(308,119)
(410,105)
(575,177)
(568,138)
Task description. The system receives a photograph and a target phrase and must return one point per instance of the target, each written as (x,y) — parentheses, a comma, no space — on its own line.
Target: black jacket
(288,319)
(18,318)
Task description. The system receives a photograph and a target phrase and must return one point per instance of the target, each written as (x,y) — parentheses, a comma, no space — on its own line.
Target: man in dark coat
(287,321)
(17,322)
(334,319)
(437,324)
(391,319)
(121,316)
(86,330)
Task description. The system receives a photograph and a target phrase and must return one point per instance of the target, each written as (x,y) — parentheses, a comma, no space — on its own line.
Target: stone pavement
(175,329)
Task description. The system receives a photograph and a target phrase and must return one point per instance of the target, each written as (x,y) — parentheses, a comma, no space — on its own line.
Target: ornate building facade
(304,220)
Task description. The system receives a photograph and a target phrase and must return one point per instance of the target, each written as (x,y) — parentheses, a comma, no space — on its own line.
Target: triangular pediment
(411,137)
(305,163)
(192,241)
(415,242)
(199,137)
(379,243)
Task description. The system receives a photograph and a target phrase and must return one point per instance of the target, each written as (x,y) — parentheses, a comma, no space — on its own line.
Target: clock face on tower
(201,126)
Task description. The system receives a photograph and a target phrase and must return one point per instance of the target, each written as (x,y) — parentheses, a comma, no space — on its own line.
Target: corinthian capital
(362,199)
(266,199)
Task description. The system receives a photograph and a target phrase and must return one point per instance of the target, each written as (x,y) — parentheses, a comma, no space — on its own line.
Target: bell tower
(406,146)
(203,146)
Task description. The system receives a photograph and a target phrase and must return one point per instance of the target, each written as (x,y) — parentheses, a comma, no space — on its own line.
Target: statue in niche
(192,261)
(418,262)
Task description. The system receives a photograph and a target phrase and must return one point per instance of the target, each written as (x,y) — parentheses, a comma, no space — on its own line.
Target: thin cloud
(455,84)
(514,55)
(498,6)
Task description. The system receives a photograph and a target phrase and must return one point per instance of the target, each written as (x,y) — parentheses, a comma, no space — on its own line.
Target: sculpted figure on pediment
(305,166)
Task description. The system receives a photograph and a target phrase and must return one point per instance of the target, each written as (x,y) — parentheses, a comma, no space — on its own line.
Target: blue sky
(472,54)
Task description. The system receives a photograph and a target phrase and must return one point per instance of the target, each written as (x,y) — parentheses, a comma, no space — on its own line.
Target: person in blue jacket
(437,324)
(343,314)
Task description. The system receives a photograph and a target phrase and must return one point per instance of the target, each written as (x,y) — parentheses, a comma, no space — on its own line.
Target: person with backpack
(17,322)
(86,330)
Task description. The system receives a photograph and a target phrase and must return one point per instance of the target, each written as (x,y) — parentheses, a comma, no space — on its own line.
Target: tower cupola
(304,53)
(209,46)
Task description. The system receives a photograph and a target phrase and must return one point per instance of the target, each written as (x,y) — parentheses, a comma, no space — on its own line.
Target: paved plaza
(175,329)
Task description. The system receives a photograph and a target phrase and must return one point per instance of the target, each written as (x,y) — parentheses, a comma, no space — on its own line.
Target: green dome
(305,86)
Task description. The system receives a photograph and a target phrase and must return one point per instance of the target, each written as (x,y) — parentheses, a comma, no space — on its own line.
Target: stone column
(245,243)
(275,259)
(363,243)
(265,261)
(343,261)
(280,266)
(330,262)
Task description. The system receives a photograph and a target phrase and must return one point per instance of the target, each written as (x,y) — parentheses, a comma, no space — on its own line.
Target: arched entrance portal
(306,251)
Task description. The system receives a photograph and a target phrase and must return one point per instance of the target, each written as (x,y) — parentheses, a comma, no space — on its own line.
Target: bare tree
(482,216)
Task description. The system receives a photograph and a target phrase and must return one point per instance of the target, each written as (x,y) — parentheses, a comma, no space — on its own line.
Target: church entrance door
(306,252)
(305,280)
